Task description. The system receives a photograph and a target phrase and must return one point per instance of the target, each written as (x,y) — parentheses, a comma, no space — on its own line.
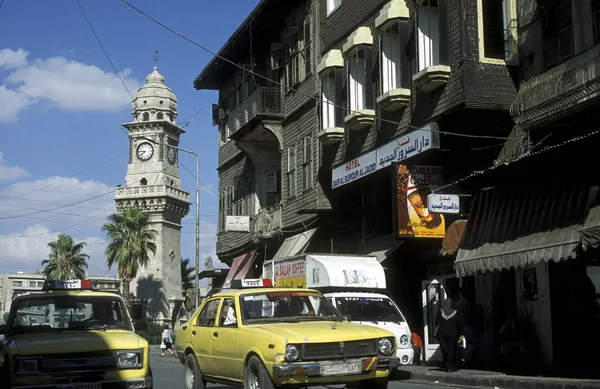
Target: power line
(250,71)
(201,183)
(103,49)
(189,121)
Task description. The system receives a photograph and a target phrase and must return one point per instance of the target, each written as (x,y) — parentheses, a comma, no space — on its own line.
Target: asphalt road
(168,374)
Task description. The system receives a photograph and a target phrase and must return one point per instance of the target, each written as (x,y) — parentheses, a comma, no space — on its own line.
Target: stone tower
(153,184)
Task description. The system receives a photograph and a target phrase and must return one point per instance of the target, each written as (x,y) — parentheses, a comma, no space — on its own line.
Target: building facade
(542,267)
(14,285)
(153,184)
(332,103)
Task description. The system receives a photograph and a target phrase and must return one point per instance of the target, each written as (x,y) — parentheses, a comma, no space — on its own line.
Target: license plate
(79,386)
(341,368)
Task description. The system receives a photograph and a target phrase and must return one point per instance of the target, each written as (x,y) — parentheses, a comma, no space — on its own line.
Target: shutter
(215,114)
(369,97)
(404,61)
(551,53)
(276,55)
(564,14)
(597,26)
(307,46)
(565,43)
(443,32)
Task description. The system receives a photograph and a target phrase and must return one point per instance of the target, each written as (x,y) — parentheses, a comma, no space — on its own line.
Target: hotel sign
(398,150)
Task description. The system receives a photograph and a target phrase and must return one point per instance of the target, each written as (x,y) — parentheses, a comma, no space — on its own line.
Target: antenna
(156,58)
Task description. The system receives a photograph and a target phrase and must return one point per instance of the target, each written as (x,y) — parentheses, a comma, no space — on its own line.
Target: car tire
(376,383)
(192,375)
(256,375)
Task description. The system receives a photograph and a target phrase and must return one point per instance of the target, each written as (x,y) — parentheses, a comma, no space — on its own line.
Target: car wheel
(192,376)
(256,376)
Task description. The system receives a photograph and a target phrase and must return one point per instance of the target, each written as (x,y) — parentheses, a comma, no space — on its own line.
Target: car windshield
(368,309)
(64,313)
(287,307)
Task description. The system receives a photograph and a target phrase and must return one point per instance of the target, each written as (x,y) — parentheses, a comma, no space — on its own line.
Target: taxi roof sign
(67,285)
(251,283)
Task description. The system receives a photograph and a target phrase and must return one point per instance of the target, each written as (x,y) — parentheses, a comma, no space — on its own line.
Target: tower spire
(156,58)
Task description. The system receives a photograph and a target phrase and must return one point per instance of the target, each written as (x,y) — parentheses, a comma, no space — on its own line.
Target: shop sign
(237,223)
(443,203)
(290,274)
(397,150)
(412,187)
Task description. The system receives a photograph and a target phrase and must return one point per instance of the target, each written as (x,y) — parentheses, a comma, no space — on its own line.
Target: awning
(295,244)
(519,226)
(590,232)
(452,238)
(381,247)
(239,268)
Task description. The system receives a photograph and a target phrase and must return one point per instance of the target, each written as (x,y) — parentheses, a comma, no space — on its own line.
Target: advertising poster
(411,186)
(290,274)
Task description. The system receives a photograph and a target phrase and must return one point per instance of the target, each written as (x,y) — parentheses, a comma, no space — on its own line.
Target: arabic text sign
(395,151)
(237,223)
(443,203)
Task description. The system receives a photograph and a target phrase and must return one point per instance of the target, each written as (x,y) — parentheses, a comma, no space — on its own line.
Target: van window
(368,309)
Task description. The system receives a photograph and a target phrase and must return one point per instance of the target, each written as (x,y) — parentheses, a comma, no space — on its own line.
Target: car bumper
(139,383)
(405,355)
(314,369)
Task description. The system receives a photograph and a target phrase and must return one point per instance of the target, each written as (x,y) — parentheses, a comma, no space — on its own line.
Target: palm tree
(66,259)
(131,240)
(188,277)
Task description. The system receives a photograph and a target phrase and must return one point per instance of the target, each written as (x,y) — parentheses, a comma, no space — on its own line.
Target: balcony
(267,222)
(432,77)
(555,93)
(154,198)
(265,103)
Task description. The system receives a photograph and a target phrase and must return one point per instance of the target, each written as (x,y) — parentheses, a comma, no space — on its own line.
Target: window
(306,47)
(146,116)
(292,50)
(230,200)
(17,284)
(391,56)
(241,197)
(558,33)
(160,116)
(291,172)
(272,188)
(228,313)
(307,165)
(332,5)
(498,26)
(357,79)
(428,36)
(208,315)
(333,102)
(222,209)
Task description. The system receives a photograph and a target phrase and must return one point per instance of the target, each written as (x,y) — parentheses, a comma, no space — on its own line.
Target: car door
(201,334)
(226,358)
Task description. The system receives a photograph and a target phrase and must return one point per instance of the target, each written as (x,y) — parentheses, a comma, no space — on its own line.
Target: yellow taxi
(263,337)
(71,337)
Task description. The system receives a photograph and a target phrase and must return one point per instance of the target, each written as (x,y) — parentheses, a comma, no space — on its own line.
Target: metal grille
(67,363)
(338,350)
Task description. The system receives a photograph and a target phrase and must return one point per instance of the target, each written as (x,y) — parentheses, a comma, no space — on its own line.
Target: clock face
(171,155)
(145,151)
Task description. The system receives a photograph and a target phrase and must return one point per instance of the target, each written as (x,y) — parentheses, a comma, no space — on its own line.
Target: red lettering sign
(289,269)
(353,164)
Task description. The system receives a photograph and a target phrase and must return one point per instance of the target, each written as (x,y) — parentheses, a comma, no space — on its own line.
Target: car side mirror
(140,326)
(2,329)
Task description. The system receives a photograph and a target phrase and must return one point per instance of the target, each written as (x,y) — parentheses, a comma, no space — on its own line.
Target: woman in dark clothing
(448,332)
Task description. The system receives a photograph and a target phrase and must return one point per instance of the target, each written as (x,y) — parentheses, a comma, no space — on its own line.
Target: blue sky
(61,104)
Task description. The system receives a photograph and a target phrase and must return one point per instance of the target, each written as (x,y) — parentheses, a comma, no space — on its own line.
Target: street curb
(495,380)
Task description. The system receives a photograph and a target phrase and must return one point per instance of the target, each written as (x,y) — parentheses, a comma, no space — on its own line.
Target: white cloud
(61,83)
(10,173)
(11,59)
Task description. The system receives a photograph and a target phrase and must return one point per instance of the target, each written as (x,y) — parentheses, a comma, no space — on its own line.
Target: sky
(62,152)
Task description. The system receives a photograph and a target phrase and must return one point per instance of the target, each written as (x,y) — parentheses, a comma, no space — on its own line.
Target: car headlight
(386,347)
(404,340)
(129,359)
(30,365)
(291,353)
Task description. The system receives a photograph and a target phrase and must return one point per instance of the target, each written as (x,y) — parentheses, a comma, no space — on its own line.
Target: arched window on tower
(160,116)
(146,116)
(144,181)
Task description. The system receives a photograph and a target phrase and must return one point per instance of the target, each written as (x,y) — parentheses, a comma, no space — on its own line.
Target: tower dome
(154,100)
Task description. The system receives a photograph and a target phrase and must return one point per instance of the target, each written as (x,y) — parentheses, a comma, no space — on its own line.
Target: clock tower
(153,184)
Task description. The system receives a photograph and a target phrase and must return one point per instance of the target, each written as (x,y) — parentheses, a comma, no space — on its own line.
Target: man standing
(466,312)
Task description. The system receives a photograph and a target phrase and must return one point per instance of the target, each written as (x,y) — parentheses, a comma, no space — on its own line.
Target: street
(168,374)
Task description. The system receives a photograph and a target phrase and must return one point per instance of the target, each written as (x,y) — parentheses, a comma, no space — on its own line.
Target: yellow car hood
(76,341)
(323,331)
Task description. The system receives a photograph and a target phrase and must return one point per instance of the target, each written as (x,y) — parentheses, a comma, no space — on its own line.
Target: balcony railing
(267,222)
(265,101)
(557,91)
(152,190)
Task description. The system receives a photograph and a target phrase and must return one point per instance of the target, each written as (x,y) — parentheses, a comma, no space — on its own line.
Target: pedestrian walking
(448,332)
(167,341)
(417,345)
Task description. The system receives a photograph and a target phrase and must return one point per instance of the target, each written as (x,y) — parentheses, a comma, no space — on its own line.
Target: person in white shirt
(230,318)
(167,341)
